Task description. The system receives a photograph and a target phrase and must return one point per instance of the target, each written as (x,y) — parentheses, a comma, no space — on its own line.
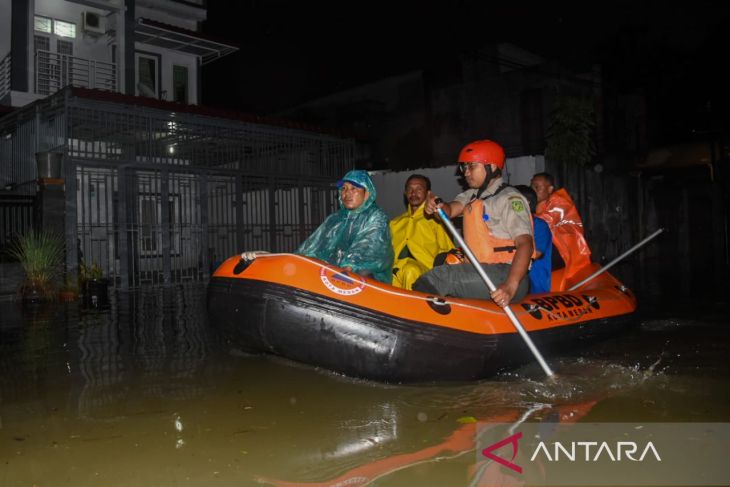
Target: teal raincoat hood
(358,238)
(362,179)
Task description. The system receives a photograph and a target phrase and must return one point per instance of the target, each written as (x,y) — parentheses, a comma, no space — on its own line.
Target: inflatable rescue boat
(315,313)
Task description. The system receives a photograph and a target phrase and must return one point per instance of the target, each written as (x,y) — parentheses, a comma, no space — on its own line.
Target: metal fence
(100,130)
(152,226)
(54,71)
(156,197)
(16,218)
(24,132)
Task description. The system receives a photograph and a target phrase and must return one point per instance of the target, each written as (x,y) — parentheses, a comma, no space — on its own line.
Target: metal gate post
(165,222)
(71,230)
(205,257)
(239,213)
(301,203)
(272,214)
(122,228)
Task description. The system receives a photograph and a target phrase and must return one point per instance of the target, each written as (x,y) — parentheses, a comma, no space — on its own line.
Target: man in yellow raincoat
(417,238)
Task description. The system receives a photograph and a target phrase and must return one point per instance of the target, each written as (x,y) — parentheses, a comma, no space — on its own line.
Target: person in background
(417,238)
(497,229)
(541,268)
(557,208)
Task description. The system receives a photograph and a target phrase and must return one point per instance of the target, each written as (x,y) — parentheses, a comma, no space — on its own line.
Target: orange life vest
(487,248)
(565,223)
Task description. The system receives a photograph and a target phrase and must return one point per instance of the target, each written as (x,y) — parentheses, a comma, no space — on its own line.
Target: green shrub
(41,254)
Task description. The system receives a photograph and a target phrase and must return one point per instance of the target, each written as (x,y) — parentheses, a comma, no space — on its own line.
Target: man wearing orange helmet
(497,229)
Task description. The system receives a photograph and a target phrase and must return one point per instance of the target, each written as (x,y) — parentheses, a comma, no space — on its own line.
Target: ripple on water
(673,323)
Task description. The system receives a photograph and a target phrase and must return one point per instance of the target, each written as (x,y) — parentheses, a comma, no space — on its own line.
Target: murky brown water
(147,394)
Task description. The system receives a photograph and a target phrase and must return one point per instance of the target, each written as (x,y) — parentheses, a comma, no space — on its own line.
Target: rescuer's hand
(433,202)
(250,255)
(504,293)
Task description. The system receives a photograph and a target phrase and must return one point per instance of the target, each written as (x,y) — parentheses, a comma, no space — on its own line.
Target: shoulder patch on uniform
(517,205)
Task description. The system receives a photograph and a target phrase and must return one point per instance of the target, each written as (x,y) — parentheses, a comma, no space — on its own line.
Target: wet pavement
(147,393)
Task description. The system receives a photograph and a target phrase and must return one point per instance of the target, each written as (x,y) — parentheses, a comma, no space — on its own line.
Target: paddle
(480,270)
(614,261)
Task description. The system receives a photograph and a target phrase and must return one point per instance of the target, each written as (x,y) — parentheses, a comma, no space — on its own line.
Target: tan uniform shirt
(508,212)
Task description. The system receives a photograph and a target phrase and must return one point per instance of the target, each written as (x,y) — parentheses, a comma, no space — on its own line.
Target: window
(180,83)
(42,43)
(43,24)
(64,29)
(65,47)
(54,26)
(147,79)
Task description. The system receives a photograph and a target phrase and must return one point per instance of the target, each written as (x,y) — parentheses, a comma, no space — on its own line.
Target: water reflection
(146,393)
(99,371)
(148,344)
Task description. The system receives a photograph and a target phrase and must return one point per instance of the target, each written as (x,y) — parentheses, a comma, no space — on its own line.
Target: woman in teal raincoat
(357,236)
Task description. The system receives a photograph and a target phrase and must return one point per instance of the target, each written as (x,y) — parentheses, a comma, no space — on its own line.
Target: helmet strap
(488,178)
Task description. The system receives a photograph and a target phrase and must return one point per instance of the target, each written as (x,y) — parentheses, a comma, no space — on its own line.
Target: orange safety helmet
(484,152)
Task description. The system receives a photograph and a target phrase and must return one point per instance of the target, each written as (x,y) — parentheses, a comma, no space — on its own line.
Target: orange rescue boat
(315,313)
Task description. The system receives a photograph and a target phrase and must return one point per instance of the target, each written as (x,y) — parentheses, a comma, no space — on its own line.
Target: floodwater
(147,393)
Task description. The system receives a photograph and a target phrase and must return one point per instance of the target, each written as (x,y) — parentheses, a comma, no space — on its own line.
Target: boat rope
(394,292)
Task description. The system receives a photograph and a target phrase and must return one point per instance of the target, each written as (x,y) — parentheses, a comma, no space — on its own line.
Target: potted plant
(70,289)
(95,285)
(41,255)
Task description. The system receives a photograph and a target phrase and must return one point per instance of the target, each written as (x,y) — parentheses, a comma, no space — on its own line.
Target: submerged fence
(16,218)
(156,197)
(151,225)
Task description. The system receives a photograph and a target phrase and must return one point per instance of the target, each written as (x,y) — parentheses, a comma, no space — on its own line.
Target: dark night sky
(292,52)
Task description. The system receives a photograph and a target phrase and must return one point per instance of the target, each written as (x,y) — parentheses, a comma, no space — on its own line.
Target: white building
(150,48)
(150,186)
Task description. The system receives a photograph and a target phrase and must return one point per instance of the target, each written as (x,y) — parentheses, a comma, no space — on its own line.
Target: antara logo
(576,451)
(593,451)
(514,441)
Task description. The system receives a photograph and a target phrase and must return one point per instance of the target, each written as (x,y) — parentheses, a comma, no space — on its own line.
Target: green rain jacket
(358,238)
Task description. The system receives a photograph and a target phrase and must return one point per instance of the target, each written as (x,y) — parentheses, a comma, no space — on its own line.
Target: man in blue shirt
(541,268)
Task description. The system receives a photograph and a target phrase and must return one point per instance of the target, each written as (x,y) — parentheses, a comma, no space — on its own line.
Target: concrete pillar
(20,36)
(129,64)
(51,203)
(51,195)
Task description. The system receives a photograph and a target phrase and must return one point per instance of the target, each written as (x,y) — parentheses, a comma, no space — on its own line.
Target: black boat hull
(263,317)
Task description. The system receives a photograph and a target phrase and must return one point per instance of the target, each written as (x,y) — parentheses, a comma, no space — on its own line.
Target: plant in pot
(70,289)
(95,285)
(41,256)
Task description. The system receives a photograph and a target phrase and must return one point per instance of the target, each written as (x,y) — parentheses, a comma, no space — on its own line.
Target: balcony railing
(5,76)
(54,71)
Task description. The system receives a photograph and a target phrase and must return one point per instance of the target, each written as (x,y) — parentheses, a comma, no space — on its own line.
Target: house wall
(172,13)
(85,45)
(99,47)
